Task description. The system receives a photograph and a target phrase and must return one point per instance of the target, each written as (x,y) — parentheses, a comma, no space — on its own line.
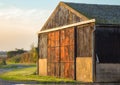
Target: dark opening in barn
(107,44)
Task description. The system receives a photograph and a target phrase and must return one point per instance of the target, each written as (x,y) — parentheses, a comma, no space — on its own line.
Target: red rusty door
(61,53)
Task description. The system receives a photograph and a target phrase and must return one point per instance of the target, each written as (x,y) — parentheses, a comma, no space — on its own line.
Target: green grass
(28,74)
(14,66)
(8,66)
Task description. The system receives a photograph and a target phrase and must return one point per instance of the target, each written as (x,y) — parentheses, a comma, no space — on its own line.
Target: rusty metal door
(61,53)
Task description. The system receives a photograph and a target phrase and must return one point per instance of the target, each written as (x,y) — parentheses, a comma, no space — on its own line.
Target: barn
(81,42)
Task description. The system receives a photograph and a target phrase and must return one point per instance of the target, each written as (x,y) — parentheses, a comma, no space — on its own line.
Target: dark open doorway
(107,44)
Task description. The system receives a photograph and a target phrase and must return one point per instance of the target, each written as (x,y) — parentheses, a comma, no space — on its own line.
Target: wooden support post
(93,56)
(75,51)
(38,55)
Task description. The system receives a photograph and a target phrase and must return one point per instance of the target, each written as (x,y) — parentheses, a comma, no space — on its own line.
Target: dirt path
(4,70)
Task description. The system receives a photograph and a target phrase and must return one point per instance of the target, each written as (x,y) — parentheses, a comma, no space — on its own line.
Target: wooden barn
(81,42)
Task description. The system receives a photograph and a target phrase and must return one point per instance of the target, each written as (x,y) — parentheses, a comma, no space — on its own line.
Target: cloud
(19,27)
(17,13)
(24,17)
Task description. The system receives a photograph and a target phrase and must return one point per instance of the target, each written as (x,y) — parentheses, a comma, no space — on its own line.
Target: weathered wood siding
(84,40)
(53,56)
(42,45)
(61,16)
(42,56)
(67,53)
(84,47)
(107,72)
(60,58)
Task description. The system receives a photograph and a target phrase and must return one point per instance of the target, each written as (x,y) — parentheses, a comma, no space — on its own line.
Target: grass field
(29,74)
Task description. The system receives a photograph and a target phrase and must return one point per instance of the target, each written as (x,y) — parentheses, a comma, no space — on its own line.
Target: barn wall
(107,72)
(84,69)
(60,48)
(62,16)
(42,59)
(42,46)
(84,65)
(85,40)
(42,67)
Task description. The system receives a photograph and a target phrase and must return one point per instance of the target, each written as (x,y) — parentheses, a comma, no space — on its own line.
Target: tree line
(23,56)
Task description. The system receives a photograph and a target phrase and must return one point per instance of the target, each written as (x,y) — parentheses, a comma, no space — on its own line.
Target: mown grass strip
(15,66)
(28,74)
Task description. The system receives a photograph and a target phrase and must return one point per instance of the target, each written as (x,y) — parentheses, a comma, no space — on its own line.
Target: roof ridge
(91,4)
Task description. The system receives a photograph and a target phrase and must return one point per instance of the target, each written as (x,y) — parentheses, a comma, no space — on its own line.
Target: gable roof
(104,14)
(59,11)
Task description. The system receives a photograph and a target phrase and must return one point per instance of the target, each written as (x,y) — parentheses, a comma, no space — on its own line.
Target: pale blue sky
(20,20)
(48,4)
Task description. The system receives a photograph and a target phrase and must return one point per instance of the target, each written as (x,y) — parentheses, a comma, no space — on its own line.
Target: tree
(3,61)
(34,52)
(14,53)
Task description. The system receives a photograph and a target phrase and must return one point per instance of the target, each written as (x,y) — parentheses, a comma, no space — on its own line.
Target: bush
(3,61)
(26,57)
(15,59)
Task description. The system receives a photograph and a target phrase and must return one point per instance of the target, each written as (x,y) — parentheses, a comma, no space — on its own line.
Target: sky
(20,20)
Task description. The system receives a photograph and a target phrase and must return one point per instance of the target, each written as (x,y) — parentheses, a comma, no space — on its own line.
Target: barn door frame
(75,50)
(94,56)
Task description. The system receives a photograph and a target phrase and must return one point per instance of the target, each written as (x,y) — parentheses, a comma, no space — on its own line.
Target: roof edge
(91,4)
(68,26)
(74,11)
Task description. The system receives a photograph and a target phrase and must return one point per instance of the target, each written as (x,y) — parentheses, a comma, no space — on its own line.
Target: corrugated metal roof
(104,14)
